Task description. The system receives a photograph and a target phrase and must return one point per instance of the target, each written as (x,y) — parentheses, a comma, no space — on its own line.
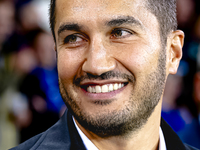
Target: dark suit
(64,136)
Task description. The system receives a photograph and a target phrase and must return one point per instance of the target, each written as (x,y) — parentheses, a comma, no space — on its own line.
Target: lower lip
(102,96)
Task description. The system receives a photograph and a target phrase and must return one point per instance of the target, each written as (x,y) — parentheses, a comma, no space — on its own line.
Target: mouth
(103,88)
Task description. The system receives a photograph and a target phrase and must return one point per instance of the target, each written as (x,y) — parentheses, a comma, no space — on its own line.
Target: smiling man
(113,58)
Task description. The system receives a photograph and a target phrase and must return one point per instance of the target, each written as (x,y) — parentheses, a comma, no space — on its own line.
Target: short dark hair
(52,17)
(164,10)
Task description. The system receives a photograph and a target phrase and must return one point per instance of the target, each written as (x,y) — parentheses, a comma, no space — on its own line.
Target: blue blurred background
(30,101)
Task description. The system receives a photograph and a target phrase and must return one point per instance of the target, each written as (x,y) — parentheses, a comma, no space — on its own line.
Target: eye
(120,33)
(71,39)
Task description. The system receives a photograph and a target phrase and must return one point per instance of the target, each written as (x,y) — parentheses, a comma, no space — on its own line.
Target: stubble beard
(134,114)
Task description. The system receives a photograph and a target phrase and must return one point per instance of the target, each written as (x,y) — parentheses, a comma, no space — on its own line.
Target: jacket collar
(171,138)
(62,135)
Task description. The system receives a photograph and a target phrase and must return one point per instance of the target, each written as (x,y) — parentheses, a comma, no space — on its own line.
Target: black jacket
(64,136)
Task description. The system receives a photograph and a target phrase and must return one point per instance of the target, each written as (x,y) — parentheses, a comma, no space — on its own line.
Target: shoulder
(62,135)
(29,143)
(171,138)
(56,137)
(188,147)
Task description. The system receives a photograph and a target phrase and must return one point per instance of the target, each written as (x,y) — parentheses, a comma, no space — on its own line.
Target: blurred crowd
(30,101)
(181,100)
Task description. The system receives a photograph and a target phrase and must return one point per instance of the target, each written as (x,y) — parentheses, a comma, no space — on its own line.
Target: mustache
(104,76)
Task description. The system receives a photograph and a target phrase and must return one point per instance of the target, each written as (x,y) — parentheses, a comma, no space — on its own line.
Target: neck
(146,138)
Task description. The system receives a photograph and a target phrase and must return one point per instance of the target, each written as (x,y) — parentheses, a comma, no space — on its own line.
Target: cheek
(137,59)
(68,63)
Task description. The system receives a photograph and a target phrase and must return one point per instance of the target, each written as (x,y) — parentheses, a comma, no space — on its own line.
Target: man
(113,59)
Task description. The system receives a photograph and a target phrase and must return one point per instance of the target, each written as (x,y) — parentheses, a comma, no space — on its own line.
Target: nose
(99,58)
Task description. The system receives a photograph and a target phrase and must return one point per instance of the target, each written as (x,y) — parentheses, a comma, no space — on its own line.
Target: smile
(105,88)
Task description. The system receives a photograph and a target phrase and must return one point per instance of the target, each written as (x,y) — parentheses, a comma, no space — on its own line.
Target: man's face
(111,63)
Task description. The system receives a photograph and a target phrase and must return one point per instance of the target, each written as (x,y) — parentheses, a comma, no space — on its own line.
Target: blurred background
(30,101)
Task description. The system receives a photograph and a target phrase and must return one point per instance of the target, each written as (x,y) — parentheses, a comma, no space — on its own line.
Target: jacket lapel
(76,141)
(62,136)
(172,140)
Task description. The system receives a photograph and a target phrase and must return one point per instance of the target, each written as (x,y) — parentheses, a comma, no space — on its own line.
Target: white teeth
(98,89)
(93,90)
(104,88)
(110,88)
(89,89)
(120,85)
(115,86)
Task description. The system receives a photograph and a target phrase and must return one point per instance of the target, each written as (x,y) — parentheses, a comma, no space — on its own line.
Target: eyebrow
(121,20)
(69,26)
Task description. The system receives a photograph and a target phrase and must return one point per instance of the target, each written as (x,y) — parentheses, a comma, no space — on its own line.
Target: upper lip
(101,82)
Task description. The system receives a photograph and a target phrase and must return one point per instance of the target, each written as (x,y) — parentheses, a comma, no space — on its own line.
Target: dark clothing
(191,133)
(64,136)
(172,140)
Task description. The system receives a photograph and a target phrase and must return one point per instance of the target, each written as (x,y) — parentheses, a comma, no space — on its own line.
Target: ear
(55,47)
(175,44)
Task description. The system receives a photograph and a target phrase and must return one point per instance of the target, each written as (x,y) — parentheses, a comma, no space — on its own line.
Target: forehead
(98,5)
(99,11)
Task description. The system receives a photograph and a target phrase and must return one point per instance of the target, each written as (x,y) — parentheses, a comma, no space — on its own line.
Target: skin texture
(114,42)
